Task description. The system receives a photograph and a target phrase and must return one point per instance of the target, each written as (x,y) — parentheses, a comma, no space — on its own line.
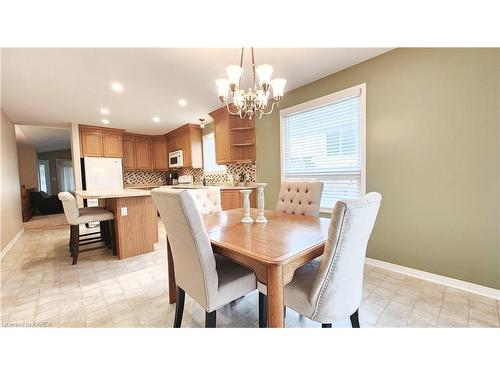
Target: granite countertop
(117,193)
(222,187)
(194,186)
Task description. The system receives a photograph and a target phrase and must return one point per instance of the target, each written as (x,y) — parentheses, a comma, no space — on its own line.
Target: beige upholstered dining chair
(207,199)
(210,279)
(76,216)
(330,289)
(297,198)
(300,197)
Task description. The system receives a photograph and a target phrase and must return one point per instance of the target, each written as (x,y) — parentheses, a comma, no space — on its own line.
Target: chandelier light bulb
(222,88)
(264,72)
(278,85)
(234,73)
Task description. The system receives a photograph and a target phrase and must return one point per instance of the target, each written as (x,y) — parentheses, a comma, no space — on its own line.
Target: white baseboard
(432,277)
(11,243)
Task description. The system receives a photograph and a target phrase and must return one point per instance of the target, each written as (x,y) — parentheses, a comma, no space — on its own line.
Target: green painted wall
(433,152)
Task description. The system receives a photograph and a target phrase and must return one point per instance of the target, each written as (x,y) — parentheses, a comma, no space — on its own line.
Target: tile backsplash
(144,177)
(232,173)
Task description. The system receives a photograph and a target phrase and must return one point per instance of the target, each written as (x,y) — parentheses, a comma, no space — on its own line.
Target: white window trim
(325,100)
(211,173)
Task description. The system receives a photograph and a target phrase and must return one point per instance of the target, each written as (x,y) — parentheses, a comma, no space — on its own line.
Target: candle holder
(246,207)
(261,219)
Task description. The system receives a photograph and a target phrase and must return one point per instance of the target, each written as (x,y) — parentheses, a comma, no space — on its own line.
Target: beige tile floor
(40,287)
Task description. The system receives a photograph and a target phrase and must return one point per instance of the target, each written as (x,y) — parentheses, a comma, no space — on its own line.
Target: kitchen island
(136,223)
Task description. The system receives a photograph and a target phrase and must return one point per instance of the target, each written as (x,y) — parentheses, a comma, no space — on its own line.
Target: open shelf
(242,144)
(242,128)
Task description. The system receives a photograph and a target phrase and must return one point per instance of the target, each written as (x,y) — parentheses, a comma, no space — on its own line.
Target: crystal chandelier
(252,101)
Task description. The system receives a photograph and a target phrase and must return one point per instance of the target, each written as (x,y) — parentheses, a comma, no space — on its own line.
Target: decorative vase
(260,202)
(246,206)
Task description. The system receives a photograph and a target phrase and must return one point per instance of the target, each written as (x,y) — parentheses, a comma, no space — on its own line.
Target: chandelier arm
(229,109)
(272,108)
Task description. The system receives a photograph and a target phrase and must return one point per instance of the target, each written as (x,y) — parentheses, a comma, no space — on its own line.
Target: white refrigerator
(102,174)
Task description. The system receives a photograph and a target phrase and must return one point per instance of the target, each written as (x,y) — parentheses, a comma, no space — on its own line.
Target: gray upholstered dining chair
(210,279)
(76,216)
(330,289)
(300,197)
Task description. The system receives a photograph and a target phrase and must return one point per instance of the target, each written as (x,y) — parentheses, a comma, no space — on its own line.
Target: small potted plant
(242,177)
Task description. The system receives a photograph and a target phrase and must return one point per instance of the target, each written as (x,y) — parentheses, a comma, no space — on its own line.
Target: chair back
(300,197)
(70,207)
(207,199)
(337,289)
(194,261)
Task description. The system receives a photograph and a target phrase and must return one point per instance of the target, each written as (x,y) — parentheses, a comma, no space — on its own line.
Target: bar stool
(76,216)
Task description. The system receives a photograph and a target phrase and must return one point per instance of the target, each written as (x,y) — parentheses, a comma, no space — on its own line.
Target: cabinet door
(195,147)
(91,143)
(143,154)
(222,149)
(160,156)
(128,153)
(112,145)
(230,199)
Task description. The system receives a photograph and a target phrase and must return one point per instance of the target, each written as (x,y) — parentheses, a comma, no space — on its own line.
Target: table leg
(275,300)
(172,287)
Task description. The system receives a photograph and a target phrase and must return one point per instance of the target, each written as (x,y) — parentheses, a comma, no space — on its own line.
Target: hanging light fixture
(254,100)
(202,122)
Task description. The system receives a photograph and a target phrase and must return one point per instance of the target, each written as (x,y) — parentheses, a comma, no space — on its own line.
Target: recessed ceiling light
(105,111)
(104,121)
(182,102)
(156,119)
(117,86)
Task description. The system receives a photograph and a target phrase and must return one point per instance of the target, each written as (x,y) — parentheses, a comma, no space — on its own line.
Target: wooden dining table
(273,250)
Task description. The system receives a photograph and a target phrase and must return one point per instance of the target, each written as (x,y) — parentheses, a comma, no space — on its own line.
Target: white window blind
(324,142)
(209,164)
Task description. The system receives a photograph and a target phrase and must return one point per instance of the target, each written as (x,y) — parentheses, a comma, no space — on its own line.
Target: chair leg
(70,238)
(210,319)
(355,319)
(112,237)
(262,310)
(76,243)
(179,307)
(326,325)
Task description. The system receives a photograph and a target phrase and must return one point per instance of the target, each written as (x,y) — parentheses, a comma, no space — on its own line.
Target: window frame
(205,171)
(320,102)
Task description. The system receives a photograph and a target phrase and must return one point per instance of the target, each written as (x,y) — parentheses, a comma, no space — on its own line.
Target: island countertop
(104,194)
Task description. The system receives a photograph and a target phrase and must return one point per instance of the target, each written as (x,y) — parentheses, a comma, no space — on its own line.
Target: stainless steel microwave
(175,159)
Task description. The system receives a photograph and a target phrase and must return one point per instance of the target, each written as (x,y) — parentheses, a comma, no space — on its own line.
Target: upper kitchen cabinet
(160,153)
(188,139)
(143,159)
(101,142)
(234,138)
(128,152)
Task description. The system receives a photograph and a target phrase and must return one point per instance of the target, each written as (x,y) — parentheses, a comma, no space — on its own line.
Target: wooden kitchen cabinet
(143,160)
(129,153)
(160,153)
(234,138)
(231,199)
(100,142)
(188,139)
(112,145)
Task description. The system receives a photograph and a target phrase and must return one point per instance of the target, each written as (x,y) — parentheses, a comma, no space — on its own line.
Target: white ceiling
(43,138)
(50,86)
